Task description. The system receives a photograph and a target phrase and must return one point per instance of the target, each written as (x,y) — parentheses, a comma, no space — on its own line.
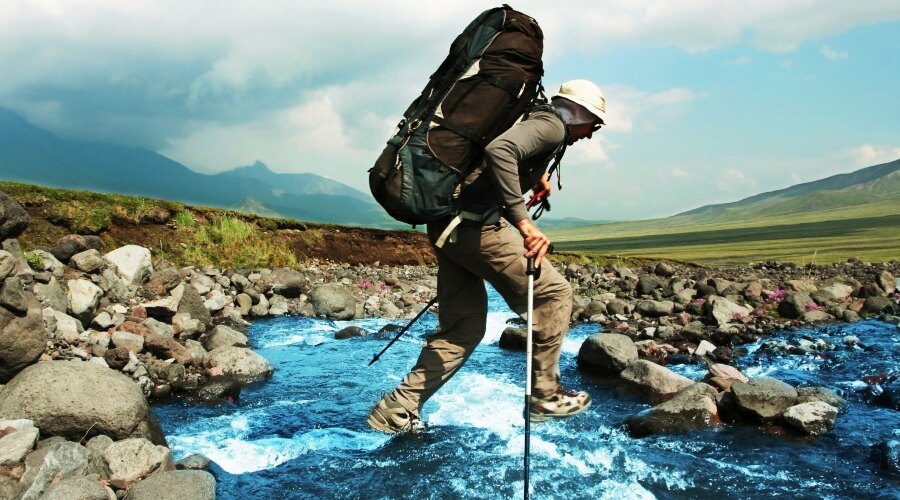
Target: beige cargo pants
(491,253)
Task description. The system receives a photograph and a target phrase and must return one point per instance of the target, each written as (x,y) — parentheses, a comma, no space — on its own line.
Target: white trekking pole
(531,273)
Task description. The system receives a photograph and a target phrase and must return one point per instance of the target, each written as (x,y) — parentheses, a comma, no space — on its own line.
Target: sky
(708,101)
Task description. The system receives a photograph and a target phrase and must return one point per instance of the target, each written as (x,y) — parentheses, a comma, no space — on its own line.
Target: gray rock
(333,301)
(607,353)
(63,460)
(202,282)
(67,327)
(647,283)
(13,218)
(795,304)
(809,394)
(890,455)
(593,308)
(879,304)
(887,282)
(224,336)
(77,488)
(158,328)
(218,389)
(815,316)
(84,298)
(261,308)
(22,341)
(87,261)
(244,303)
(7,264)
(814,418)
(96,446)
(14,446)
(13,247)
(197,351)
(215,301)
(693,407)
(175,485)
(130,341)
(192,462)
(191,303)
(513,339)
(656,383)
(241,363)
(116,288)
(350,332)
(240,282)
(53,293)
(285,282)
(619,307)
(724,311)
(132,263)
(14,296)
(70,245)
(131,459)
(163,280)
(664,270)
(765,398)
(278,306)
(9,487)
(75,399)
(655,309)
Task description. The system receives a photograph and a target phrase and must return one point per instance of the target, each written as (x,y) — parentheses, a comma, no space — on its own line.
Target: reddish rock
(117,358)
(138,313)
(165,348)
(137,329)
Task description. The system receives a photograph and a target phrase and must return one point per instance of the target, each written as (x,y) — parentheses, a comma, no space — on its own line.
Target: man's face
(582,131)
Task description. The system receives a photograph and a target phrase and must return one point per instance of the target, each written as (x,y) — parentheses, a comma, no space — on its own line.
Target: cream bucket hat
(585,94)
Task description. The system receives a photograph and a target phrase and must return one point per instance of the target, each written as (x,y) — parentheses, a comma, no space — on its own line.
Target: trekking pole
(530,272)
(403,330)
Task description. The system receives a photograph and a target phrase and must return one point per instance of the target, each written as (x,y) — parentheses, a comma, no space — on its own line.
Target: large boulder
(13,218)
(53,293)
(132,263)
(88,261)
(813,418)
(607,353)
(693,407)
(512,338)
(724,376)
(191,303)
(656,383)
(333,301)
(656,308)
(224,336)
(14,446)
(764,399)
(241,363)
(7,264)
(879,304)
(15,297)
(75,399)
(78,488)
(795,304)
(175,485)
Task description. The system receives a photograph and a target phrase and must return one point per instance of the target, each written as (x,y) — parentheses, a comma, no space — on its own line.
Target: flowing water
(303,434)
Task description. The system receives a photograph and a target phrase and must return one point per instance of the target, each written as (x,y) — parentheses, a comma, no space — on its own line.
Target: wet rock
(890,395)
(607,353)
(22,340)
(890,455)
(656,383)
(724,376)
(333,301)
(693,407)
(241,363)
(75,399)
(192,462)
(764,399)
(219,388)
(131,459)
(225,336)
(350,332)
(165,348)
(514,339)
(175,485)
(64,460)
(813,418)
(13,218)
(132,263)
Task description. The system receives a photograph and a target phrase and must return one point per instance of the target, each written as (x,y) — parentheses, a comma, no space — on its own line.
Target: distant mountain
(568,222)
(33,155)
(879,183)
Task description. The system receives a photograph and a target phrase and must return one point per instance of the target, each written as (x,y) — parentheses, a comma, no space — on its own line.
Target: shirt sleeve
(540,134)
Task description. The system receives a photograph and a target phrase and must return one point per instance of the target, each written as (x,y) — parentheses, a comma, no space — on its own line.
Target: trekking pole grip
(530,270)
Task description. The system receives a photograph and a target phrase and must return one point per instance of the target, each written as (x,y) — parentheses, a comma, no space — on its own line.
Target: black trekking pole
(531,273)
(405,328)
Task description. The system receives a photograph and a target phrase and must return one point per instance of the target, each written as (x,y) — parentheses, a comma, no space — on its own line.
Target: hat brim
(584,104)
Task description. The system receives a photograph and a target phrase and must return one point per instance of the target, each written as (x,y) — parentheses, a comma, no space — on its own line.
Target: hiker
(483,247)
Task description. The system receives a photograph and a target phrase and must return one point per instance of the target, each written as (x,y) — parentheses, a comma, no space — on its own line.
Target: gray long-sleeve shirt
(515,162)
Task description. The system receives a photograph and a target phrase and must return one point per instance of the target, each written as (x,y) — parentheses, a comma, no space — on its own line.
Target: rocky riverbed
(88,335)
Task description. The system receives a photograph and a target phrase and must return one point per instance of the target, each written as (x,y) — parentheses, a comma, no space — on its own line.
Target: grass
(870,232)
(229,242)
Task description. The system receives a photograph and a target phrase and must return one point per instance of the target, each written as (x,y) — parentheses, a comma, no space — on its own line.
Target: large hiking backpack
(491,76)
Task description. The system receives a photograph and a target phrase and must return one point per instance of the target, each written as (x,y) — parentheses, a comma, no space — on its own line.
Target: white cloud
(740,61)
(870,154)
(732,181)
(832,53)
(679,173)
